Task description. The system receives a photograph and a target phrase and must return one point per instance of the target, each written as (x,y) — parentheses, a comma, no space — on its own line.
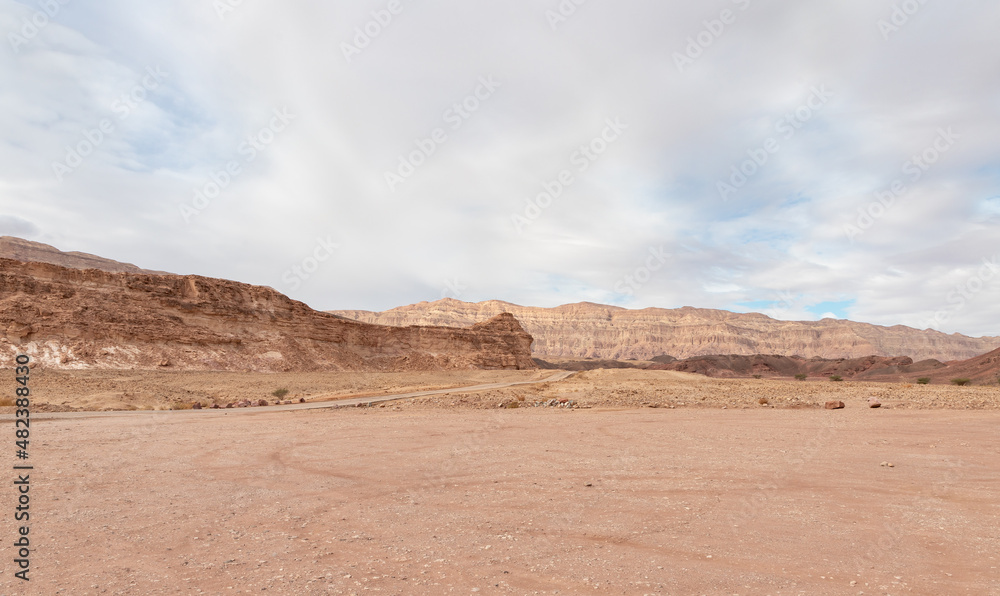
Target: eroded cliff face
(80,318)
(20,249)
(587,330)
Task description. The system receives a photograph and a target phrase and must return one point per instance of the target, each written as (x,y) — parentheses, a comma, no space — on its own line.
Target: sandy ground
(108,390)
(630,388)
(418,500)
(103,390)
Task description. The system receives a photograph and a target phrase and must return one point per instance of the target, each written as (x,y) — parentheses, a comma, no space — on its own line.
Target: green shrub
(836,378)
(280,393)
(923,381)
(756,376)
(960,382)
(800,377)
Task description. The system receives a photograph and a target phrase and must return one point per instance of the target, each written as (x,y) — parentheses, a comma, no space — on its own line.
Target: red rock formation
(19,249)
(981,370)
(79,318)
(589,330)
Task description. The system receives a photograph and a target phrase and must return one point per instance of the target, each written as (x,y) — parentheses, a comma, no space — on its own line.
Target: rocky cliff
(587,330)
(20,249)
(80,318)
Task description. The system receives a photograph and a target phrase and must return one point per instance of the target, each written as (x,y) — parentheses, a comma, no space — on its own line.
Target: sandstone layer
(588,330)
(86,318)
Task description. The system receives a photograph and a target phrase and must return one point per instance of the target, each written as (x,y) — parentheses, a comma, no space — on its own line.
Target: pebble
(873,402)
(834,405)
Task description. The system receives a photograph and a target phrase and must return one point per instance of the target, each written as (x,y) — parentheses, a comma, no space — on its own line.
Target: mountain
(80,318)
(981,370)
(20,249)
(587,330)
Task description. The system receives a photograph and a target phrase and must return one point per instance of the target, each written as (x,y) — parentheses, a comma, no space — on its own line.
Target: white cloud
(653,187)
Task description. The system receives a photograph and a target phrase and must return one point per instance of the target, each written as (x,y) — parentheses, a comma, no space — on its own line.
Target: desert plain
(607,482)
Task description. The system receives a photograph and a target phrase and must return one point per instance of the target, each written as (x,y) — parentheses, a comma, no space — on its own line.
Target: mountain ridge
(88,318)
(591,330)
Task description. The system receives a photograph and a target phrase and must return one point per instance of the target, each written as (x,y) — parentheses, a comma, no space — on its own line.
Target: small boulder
(262,403)
(196,406)
(834,405)
(302,400)
(873,402)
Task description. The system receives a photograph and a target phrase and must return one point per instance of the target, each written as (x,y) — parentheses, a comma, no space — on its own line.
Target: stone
(873,402)
(196,406)
(262,403)
(834,405)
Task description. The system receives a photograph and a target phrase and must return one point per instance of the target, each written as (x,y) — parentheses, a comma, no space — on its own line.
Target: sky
(802,159)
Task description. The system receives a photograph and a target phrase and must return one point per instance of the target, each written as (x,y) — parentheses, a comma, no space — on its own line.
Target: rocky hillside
(981,370)
(80,318)
(786,366)
(587,330)
(20,249)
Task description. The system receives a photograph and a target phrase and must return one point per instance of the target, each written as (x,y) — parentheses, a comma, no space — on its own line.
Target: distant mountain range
(573,331)
(587,330)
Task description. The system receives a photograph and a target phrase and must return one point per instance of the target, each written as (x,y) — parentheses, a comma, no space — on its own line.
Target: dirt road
(317,403)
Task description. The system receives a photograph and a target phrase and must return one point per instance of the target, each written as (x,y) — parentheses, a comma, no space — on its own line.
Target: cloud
(784,233)
(11,225)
